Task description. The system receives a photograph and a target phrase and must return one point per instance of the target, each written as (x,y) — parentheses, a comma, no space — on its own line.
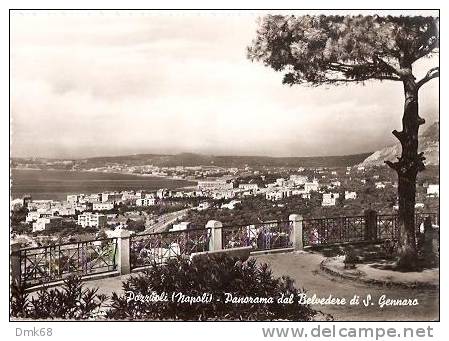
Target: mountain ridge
(428,143)
(192,159)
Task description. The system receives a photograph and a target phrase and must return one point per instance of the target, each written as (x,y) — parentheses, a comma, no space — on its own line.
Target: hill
(190,159)
(429,142)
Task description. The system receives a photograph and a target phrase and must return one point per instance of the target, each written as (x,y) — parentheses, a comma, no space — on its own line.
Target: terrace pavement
(304,268)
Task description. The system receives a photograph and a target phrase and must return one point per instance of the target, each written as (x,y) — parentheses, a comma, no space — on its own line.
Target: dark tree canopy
(318,50)
(334,49)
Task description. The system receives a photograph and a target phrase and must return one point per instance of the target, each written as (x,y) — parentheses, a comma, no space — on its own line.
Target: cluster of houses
(175,172)
(45,214)
(300,185)
(91,210)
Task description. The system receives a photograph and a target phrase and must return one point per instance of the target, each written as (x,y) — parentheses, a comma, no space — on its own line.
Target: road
(165,220)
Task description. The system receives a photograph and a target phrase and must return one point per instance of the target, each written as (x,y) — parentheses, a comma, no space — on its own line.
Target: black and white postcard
(225,166)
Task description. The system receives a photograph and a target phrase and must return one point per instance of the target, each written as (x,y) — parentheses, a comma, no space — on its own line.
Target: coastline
(56,192)
(102,172)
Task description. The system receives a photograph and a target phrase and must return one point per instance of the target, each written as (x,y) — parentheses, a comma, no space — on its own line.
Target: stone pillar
(215,241)
(15,263)
(370,225)
(122,255)
(428,224)
(296,231)
(431,247)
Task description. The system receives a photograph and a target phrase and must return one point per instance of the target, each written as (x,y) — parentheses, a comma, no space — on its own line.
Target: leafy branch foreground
(200,277)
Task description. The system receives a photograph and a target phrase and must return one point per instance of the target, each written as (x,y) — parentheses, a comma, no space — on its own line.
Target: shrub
(215,276)
(390,248)
(72,301)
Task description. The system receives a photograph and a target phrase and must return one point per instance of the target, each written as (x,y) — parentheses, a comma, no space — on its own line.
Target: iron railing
(388,224)
(420,218)
(40,265)
(324,231)
(335,230)
(387,227)
(260,236)
(150,248)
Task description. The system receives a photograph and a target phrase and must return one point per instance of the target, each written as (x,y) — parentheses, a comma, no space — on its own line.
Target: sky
(113,83)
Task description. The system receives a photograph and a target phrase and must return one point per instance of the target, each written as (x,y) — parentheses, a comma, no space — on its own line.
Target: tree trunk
(407,168)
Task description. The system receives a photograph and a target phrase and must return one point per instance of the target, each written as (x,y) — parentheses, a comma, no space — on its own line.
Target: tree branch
(431,44)
(390,67)
(393,165)
(361,79)
(432,73)
(379,69)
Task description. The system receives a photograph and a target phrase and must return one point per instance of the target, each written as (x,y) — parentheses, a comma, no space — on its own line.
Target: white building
(63,210)
(214,184)
(131,195)
(223,194)
(279,194)
(311,186)
(32,216)
(39,204)
(250,187)
(280,182)
(298,180)
(16,203)
(146,202)
(81,207)
(73,198)
(89,219)
(231,205)
(379,185)
(114,197)
(184,225)
(163,193)
(203,206)
(329,199)
(350,195)
(90,198)
(102,206)
(433,190)
(335,183)
(44,223)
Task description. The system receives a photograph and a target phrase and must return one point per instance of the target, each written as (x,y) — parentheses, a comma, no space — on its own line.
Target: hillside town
(225,165)
(320,191)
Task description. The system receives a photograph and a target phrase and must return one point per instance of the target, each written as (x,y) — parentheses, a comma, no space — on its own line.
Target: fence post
(123,257)
(15,263)
(370,225)
(296,231)
(215,241)
(431,245)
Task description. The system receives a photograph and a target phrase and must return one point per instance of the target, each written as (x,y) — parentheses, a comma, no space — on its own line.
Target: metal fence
(387,227)
(39,265)
(323,231)
(335,230)
(260,236)
(147,249)
(420,218)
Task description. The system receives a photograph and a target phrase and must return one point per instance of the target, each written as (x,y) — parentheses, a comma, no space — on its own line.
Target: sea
(57,184)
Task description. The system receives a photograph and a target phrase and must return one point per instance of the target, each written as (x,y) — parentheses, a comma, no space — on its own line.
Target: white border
(191,330)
